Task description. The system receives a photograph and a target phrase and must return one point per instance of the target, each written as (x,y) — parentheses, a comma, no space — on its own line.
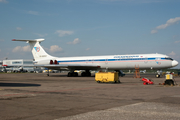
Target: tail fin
(37,51)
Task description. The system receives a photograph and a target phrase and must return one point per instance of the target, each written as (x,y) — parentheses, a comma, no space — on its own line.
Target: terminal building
(18,65)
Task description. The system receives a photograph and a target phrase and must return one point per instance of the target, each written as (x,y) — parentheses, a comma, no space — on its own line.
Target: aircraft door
(157,61)
(146,60)
(92,61)
(87,61)
(106,61)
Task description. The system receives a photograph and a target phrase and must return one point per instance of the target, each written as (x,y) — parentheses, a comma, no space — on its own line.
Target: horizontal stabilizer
(36,49)
(35,40)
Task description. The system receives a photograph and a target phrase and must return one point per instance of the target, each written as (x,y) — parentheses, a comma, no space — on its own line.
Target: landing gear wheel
(157,76)
(69,74)
(88,74)
(75,74)
(85,74)
(72,74)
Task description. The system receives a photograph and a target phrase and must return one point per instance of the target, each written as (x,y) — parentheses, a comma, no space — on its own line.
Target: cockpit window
(169,58)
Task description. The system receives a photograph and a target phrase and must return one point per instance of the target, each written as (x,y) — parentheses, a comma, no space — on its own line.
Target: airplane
(87,63)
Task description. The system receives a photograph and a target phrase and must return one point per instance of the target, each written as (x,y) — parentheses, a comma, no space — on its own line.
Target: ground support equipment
(107,77)
(137,73)
(147,81)
(169,80)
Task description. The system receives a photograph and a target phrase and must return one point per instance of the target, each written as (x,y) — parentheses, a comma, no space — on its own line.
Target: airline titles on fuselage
(131,56)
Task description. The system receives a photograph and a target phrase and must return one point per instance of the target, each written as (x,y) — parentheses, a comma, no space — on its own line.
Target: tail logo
(37,49)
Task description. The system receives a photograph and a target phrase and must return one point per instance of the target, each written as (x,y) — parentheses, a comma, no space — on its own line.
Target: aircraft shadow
(66,76)
(18,85)
(57,75)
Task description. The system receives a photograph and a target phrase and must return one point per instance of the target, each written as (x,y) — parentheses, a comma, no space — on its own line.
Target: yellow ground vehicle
(107,77)
(169,79)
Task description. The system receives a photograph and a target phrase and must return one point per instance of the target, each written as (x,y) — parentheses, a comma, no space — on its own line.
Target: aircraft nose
(174,63)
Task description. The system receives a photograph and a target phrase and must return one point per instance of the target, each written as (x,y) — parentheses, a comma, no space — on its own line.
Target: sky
(90,27)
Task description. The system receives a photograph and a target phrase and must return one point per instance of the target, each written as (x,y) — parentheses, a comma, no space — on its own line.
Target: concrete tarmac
(31,96)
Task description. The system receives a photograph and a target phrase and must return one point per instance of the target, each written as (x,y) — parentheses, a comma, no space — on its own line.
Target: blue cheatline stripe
(101,60)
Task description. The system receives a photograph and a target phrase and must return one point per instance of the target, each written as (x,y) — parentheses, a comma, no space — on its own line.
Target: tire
(88,74)
(83,74)
(69,74)
(76,74)
(157,76)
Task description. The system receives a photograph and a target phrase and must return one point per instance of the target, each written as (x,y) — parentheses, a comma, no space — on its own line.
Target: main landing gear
(86,74)
(83,74)
(72,74)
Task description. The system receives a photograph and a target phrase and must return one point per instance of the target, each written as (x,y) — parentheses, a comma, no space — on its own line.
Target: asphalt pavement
(29,96)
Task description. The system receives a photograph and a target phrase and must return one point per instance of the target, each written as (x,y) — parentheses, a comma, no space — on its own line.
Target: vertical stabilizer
(37,50)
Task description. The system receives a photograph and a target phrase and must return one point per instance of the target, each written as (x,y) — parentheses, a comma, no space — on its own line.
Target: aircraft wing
(58,66)
(73,66)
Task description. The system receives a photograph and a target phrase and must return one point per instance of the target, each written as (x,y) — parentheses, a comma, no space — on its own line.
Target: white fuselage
(111,62)
(119,62)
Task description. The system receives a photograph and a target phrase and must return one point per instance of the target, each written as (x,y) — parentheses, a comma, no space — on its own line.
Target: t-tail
(37,50)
